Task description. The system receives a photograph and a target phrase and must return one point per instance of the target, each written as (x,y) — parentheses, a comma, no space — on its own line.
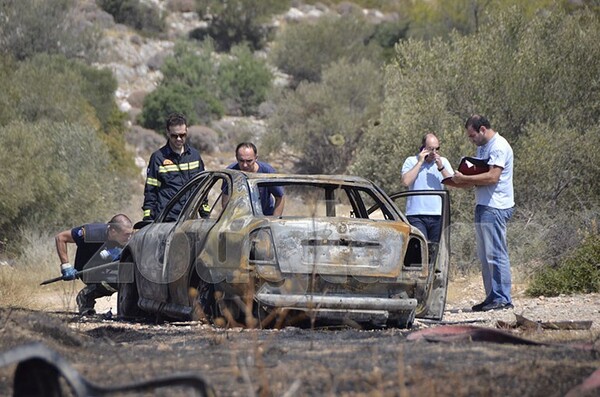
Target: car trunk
(336,246)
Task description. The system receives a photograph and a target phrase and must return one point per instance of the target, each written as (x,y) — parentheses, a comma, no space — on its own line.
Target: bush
(580,273)
(387,34)
(548,149)
(205,139)
(198,104)
(238,21)
(56,88)
(69,181)
(324,122)
(30,27)
(52,88)
(518,72)
(46,87)
(303,50)
(189,86)
(535,80)
(136,14)
(198,86)
(244,79)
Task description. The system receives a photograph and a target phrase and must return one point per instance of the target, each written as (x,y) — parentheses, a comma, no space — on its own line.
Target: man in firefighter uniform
(169,169)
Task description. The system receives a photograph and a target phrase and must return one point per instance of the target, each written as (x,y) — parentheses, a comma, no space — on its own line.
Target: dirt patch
(334,361)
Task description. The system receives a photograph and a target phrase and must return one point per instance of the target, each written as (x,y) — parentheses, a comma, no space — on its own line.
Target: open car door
(439,260)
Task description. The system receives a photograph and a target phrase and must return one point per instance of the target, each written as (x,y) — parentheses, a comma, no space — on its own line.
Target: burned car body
(341,250)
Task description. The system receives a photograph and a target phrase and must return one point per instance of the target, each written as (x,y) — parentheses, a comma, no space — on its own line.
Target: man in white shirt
(495,202)
(425,171)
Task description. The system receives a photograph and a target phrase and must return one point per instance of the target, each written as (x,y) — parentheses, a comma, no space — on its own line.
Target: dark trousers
(86,298)
(429,225)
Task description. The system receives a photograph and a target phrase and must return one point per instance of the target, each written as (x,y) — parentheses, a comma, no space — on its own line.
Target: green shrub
(65,178)
(238,21)
(387,34)
(244,79)
(30,27)
(136,14)
(303,50)
(323,122)
(189,86)
(548,149)
(46,87)
(191,65)
(196,85)
(535,79)
(517,72)
(52,88)
(198,104)
(579,273)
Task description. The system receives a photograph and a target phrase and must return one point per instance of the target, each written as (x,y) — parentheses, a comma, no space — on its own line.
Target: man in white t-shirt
(425,171)
(495,203)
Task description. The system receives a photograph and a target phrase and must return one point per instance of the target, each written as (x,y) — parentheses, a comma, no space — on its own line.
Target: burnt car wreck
(341,251)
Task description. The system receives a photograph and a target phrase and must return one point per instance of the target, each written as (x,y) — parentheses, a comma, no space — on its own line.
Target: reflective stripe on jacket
(167,173)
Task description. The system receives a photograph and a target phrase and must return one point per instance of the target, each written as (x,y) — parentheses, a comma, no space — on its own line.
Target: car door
(157,238)
(439,261)
(187,239)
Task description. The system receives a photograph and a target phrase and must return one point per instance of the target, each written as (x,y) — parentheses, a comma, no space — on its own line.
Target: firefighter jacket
(167,173)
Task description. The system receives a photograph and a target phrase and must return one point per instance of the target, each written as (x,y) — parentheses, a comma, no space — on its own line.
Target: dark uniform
(93,249)
(167,173)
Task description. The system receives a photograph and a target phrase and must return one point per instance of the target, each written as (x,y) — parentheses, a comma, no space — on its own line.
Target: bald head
(120,229)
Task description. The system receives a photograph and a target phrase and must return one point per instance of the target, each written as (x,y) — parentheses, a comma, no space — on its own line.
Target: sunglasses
(175,136)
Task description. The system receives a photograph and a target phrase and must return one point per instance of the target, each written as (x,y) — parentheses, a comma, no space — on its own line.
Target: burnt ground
(299,362)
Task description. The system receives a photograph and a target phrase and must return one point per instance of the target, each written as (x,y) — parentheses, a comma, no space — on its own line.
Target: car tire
(127,302)
(203,302)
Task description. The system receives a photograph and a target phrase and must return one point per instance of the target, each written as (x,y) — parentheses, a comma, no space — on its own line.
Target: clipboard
(473,166)
(469,166)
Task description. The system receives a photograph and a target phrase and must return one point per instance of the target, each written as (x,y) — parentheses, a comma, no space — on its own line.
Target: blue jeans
(429,225)
(492,250)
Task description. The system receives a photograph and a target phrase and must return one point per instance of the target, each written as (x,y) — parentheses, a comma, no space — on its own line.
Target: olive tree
(63,177)
(323,122)
(28,27)
(536,80)
(303,50)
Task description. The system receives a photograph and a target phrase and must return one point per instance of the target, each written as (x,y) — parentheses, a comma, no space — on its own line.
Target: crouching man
(97,244)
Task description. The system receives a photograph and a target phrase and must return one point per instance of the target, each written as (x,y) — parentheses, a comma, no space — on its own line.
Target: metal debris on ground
(39,372)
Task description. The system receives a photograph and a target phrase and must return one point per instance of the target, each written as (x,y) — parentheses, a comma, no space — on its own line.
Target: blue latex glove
(68,271)
(114,254)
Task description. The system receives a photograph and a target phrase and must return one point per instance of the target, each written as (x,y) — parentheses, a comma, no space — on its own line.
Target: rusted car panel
(338,246)
(341,250)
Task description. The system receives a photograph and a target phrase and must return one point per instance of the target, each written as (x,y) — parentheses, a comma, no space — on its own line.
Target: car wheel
(127,302)
(202,299)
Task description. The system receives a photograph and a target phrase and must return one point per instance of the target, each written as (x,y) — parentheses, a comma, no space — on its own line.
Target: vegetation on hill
(60,127)
(196,85)
(235,22)
(362,94)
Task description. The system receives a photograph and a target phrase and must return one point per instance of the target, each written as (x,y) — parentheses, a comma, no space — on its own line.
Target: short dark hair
(174,119)
(248,145)
(119,222)
(477,121)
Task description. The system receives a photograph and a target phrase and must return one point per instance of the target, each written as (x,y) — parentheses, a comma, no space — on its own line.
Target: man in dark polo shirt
(97,244)
(272,197)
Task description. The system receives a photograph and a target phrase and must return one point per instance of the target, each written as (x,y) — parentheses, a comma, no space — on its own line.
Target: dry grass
(20,281)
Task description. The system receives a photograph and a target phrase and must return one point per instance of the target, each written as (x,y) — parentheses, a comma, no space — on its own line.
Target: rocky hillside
(135,61)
